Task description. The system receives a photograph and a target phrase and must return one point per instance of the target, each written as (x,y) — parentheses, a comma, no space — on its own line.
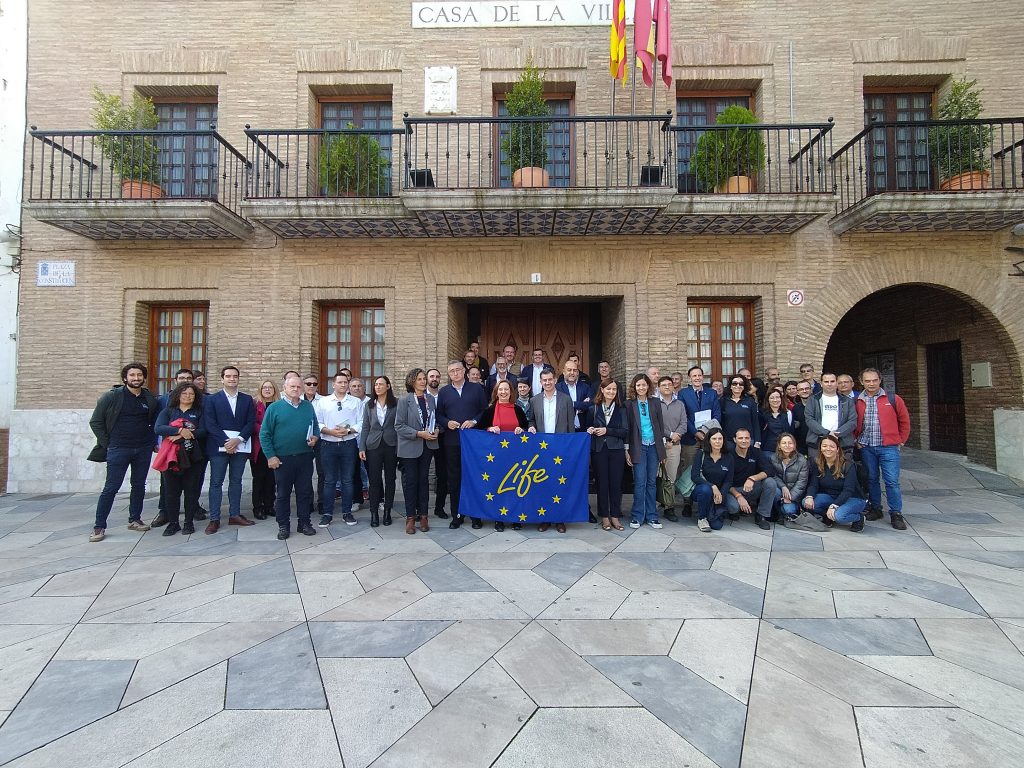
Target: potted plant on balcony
(526,144)
(728,160)
(960,151)
(352,165)
(134,157)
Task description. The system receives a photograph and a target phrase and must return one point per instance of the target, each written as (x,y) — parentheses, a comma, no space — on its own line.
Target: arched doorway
(947,356)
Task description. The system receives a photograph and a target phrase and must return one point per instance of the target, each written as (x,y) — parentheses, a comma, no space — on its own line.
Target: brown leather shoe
(560,527)
(240,520)
(410,525)
(543,526)
(424,525)
(213,526)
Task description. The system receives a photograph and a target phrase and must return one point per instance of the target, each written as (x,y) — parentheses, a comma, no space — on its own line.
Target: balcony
(931,176)
(452,177)
(138,185)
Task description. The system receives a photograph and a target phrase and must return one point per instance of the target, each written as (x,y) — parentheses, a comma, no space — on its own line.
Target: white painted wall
(13,41)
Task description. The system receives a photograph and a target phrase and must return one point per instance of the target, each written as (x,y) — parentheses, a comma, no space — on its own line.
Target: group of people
(776,451)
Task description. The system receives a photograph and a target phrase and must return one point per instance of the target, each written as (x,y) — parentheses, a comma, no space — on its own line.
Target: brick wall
(914,317)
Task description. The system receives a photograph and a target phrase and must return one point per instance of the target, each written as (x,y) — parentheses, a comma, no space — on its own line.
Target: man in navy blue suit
(459,406)
(234,412)
(533,371)
(702,406)
(578,391)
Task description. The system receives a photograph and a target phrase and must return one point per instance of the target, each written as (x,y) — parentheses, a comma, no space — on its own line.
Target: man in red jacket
(883,426)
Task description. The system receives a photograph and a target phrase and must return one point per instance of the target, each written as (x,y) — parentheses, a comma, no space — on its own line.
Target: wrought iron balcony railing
(135,165)
(787,158)
(930,156)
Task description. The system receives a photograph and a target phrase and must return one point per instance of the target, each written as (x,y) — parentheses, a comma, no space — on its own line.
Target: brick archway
(907,323)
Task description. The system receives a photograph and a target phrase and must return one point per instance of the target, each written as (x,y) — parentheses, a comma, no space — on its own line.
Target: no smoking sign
(795,298)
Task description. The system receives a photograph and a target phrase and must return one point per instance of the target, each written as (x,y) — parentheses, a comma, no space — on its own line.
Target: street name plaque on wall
(515,13)
(55,273)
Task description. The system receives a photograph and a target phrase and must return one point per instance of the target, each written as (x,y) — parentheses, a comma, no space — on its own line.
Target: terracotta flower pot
(132,189)
(735,185)
(530,177)
(969,180)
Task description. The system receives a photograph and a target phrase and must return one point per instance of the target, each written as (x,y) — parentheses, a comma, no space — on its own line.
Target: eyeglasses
(310,383)
(643,409)
(735,383)
(339,405)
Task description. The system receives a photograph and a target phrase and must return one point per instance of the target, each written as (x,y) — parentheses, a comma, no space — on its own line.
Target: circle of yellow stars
(543,444)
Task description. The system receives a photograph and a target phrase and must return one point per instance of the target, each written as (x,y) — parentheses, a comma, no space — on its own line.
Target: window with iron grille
(178,337)
(352,336)
(559,145)
(367,115)
(898,156)
(188,164)
(693,111)
(719,337)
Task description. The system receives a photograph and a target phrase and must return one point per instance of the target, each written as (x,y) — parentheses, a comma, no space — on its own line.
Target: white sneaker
(656,524)
(703,525)
(634,524)
(355,507)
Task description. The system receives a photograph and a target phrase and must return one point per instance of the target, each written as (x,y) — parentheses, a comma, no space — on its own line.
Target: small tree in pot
(352,165)
(959,151)
(727,160)
(526,144)
(134,158)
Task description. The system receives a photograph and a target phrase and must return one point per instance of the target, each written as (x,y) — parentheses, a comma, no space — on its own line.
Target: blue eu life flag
(525,478)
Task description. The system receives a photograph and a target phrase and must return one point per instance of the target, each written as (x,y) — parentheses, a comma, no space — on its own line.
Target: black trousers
(294,474)
(177,484)
(609,465)
(453,460)
(440,459)
(415,488)
(263,493)
(381,463)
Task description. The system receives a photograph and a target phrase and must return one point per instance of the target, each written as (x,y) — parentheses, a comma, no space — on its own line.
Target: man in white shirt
(552,412)
(340,417)
(829,413)
(357,388)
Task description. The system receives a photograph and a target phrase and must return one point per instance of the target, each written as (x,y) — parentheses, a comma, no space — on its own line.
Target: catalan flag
(525,478)
(618,41)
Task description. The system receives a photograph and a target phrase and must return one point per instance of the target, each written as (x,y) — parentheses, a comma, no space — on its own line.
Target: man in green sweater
(287,437)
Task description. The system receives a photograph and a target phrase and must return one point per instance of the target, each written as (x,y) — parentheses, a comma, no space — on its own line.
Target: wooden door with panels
(558,329)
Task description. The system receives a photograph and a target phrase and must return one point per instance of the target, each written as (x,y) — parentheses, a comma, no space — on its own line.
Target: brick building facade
(628,267)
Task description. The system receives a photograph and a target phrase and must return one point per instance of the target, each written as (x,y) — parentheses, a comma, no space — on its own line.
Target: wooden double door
(558,329)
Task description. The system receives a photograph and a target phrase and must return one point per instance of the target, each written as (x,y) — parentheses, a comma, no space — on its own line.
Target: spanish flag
(618,41)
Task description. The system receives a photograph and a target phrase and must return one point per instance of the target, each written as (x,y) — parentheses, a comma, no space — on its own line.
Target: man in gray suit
(552,412)
(829,413)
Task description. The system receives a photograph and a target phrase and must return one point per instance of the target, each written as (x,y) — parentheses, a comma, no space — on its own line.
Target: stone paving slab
(480,648)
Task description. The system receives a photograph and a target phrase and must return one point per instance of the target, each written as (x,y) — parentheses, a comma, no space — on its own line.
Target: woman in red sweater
(503,415)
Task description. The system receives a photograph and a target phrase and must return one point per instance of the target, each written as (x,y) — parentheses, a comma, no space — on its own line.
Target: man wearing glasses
(311,394)
(807,374)
(339,417)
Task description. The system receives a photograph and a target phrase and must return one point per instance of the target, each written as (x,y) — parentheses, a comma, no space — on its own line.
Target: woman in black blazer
(503,415)
(378,447)
(608,429)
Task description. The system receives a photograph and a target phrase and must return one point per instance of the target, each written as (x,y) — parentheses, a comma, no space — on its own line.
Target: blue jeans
(887,459)
(645,485)
(788,508)
(118,462)
(232,465)
(704,498)
(339,463)
(295,473)
(849,512)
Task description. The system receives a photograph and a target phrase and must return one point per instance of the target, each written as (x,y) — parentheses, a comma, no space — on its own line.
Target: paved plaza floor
(369,647)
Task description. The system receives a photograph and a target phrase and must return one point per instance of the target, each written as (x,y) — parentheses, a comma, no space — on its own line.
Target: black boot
(387,517)
(374,519)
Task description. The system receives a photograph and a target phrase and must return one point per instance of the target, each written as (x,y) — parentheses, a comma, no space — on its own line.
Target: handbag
(666,489)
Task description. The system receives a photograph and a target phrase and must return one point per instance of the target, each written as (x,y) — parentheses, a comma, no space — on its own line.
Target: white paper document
(244,447)
(700,418)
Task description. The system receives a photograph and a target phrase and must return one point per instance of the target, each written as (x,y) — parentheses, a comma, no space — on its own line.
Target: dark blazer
(705,400)
(527,373)
(635,441)
(584,397)
(452,407)
(563,413)
(373,433)
(105,415)
(618,429)
(409,421)
(487,417)
(217,417)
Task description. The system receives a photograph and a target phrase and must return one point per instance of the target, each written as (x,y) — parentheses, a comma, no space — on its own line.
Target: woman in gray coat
(378,447)
(791,474)
(416,427)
